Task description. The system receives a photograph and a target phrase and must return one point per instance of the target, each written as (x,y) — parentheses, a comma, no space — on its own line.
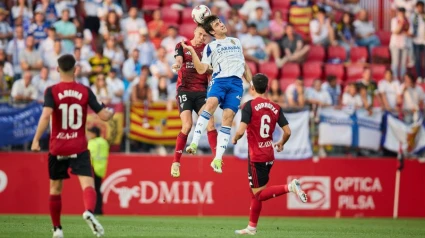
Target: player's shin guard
(272,192)
(89,197)
(212,139)
(180,144)
(55,206)
(201,125)
(255,210)
(222,141)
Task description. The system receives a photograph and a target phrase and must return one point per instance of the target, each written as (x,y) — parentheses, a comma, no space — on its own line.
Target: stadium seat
(308,82)
(151,4)
(378,71)
(354,72)
(171,2)
(316,53)
(187,16)
(280,4)
(187,29)
(358,54)
(170,16)
(337,52)
(381,55)
(312,70)
(236,2)
(384,37)
(336,70)
(253,68)
(270,69)
(290,71)
(284,83)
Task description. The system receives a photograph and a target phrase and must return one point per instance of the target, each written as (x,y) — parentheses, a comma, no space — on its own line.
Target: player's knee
(228,116)
(186,127)
(55,187)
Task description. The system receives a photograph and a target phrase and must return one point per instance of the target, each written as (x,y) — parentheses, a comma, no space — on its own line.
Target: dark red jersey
(189,80)
(261,116)
(69,102)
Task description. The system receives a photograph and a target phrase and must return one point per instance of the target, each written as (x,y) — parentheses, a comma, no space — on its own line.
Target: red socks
(89,198)
(212,139)
(180,144)
(55,206)
(255,211)
(271,192)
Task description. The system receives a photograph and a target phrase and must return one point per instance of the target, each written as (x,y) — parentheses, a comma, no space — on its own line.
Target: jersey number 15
(72,116)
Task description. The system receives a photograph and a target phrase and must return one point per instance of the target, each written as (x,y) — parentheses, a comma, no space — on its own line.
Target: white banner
(298,145)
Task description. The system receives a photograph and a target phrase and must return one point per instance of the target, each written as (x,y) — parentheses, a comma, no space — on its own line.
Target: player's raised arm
(245,120)
(179,58)
(43,123)
(247,74)
(286,131)
(200,67)
(104,113)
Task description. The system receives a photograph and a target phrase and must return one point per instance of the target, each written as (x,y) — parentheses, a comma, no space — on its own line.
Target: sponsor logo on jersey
(188,53)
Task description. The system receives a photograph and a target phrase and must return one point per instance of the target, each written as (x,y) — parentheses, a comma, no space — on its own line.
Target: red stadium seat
(337,52)
(354,72)
(381,54)
(378,71)
(308,82)
(385,37)
(284,83)
(187,30)
(282,4)
(358,54)
(187,16)
(316,53)
(171,2)
(236,2)
(290,71)
(336,70)
(312,70)
(270,69)
(253,68)
(151,4)
(170,16)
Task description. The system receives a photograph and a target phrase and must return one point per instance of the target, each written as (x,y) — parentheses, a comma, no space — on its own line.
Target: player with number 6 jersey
(259,118)
(191,95)
(65,106)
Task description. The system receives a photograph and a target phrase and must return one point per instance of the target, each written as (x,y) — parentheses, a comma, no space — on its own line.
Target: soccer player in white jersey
(225,56)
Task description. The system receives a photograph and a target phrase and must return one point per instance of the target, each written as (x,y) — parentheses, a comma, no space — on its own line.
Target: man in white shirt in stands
(116,85)
(41,82)
(412,97)
(108,5)
(418,33)
(318,96)
(171,41)
(320,29)
(365,31)
(388,89)
(295,94)
(351,97)
(247,11)
(14,48)
(253,45)
(131,68)
(23,90)
(131,27)
(51,60)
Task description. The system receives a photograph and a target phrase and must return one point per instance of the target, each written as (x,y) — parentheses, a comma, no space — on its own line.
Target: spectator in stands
(418,32)
(320,29)
(61,5)
(317,96)
(66,31)
(253,45)
(333,88)
(111,27)
(236,25)
(84,46)
(302,3)
(345,34)
(365,31)
(295,94)
(366,98)
(92,21)
(23,90)
(351,6)
(367,82)
(400,42)
(260,22)
(30,59)
(293,46)
(131,68)
(162,93)
(146,49)
(116,85)
(48,8)
(99,64)
(21,9)
(4,84)
(108,6)
(276,95)
(51,60)
(170,42)
(141,92)
(412,97)
(42,81)
(101,89)
(7,66)
(115,53)
(157,28)
(14,48)
(277,26)
(409,5)
(351,97)
(46,46)
(215,10)
(130,27)
(5,30)
(79,77)
(84,64)
(388,89)
(38,29)
(247,12)
(160,68)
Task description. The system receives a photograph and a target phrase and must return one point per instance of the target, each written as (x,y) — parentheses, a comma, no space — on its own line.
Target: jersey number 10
(72,116)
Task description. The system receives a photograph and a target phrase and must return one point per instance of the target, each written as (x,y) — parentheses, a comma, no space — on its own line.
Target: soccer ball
(199,13)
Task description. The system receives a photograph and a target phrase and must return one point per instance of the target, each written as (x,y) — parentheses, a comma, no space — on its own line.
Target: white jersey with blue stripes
(226,57)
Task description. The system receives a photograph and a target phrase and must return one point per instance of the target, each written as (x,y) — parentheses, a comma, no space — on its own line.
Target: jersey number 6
(72,116)
(265,127)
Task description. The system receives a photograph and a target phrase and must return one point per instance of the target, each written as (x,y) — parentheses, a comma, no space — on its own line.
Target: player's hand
(187,47)
(234,140)
(175,67)
(35,146)
(279,146)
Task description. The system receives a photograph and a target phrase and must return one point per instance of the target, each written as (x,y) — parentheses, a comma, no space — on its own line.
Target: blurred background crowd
(317,53)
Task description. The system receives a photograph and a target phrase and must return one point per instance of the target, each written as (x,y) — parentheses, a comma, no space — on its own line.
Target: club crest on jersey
(233,42)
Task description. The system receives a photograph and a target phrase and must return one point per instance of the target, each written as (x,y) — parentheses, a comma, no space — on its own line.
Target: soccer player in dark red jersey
(65,106)
(191,95)
(259,118)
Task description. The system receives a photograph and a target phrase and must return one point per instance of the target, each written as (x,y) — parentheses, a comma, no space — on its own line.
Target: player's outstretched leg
(180,143)
(201,125)
(222,142)
(212,136)
(89,197)
(55,207)
(254,215)
(295,187)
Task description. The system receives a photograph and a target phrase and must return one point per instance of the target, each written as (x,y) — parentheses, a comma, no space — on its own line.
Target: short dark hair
(330,78)
(66,62)
(207,25)
(260,82)
(420,3)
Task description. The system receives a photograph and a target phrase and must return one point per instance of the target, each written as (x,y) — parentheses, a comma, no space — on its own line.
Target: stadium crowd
(317,53)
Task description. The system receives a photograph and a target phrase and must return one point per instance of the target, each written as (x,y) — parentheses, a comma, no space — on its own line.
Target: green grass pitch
(135,226)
